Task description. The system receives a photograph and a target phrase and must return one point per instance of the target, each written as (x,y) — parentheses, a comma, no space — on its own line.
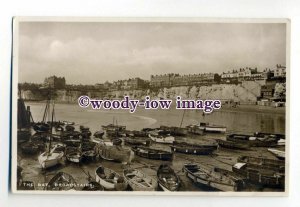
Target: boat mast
(182,118)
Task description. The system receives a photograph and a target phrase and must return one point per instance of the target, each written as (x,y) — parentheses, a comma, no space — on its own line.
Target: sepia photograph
(150,106)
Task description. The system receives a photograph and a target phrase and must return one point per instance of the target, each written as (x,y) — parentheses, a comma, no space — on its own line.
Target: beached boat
(73,155)
(263,134)
(263,163)
(175,131)
(137,141)
(197,149)
(195,129)
(99,134)
(278,153)
(139,181)
(68,122)
(263,177)
(93,186)
(61,182)
(117,141)
(252,140)
(233,145)
(50,159)
(149,153)
(89,155)
(110,179)
(30,148)
(41,127)
(69,128)
(212,128)
(159,138)
(105,142)
(135,133)
(168,180)
(114,153)
(210,177)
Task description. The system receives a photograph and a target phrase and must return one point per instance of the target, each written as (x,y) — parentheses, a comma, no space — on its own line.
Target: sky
(95,52)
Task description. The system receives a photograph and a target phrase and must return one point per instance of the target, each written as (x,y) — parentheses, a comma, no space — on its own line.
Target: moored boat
(175,131)
(195,129)
(114,153)
(263,163)
(210,177)
(258,176)
(233,145)
(149,153)
(252,140)
(159,138)
(99,134)
(168,180)
(30,148)
(197,149)
(278,153)
(50,159)
(139,181)
(137,141)
(212,128)
(73,155)
(110,179)
(62,182)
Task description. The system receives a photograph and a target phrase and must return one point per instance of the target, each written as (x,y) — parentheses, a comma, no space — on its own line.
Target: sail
(23,115)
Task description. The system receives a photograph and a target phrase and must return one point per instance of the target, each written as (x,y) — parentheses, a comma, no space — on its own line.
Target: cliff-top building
(55,82)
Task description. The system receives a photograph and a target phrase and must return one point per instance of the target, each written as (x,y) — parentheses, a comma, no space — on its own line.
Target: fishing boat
(263,177)
(168,180)
(105,142)
(73,155)
(30,148)
(41,127)
(117,141)
(158,137)
(137,141)
(212,178)
(252,140)
(110,179)
(197,149)
(263,163)
(263,134)
(195,129)
(50,158)
(89,155)
(278,153)
(175,131)
(99,134)
(233,145)
(212,128)
(68,123)
(149,153)
(93,186)
(61,182)
(139,181)
(136,133)
(114,153)
(69,128)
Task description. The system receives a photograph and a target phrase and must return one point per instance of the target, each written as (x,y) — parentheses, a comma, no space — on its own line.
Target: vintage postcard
(150,106)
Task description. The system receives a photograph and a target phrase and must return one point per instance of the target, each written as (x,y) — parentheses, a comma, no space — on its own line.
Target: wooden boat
(62,182)
(50,159)
(136,141)
(197,149)
(164,139)
(30,148)
(117,141)
(233,145)
(212,128)
(23,135)
(99,141)
(114,153)
(139,181)
(263,163)
(110,179)
(72,142)
(195,129)
(252,141)
(278,153)
(69,128)
(68,123)
(149,153)
(93,186)
(175,131)
(73,155)
(99,134)
(263,177)
(210,177)
(41,127)
(263,134)
(167,178)
(89,155)
(135,133)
